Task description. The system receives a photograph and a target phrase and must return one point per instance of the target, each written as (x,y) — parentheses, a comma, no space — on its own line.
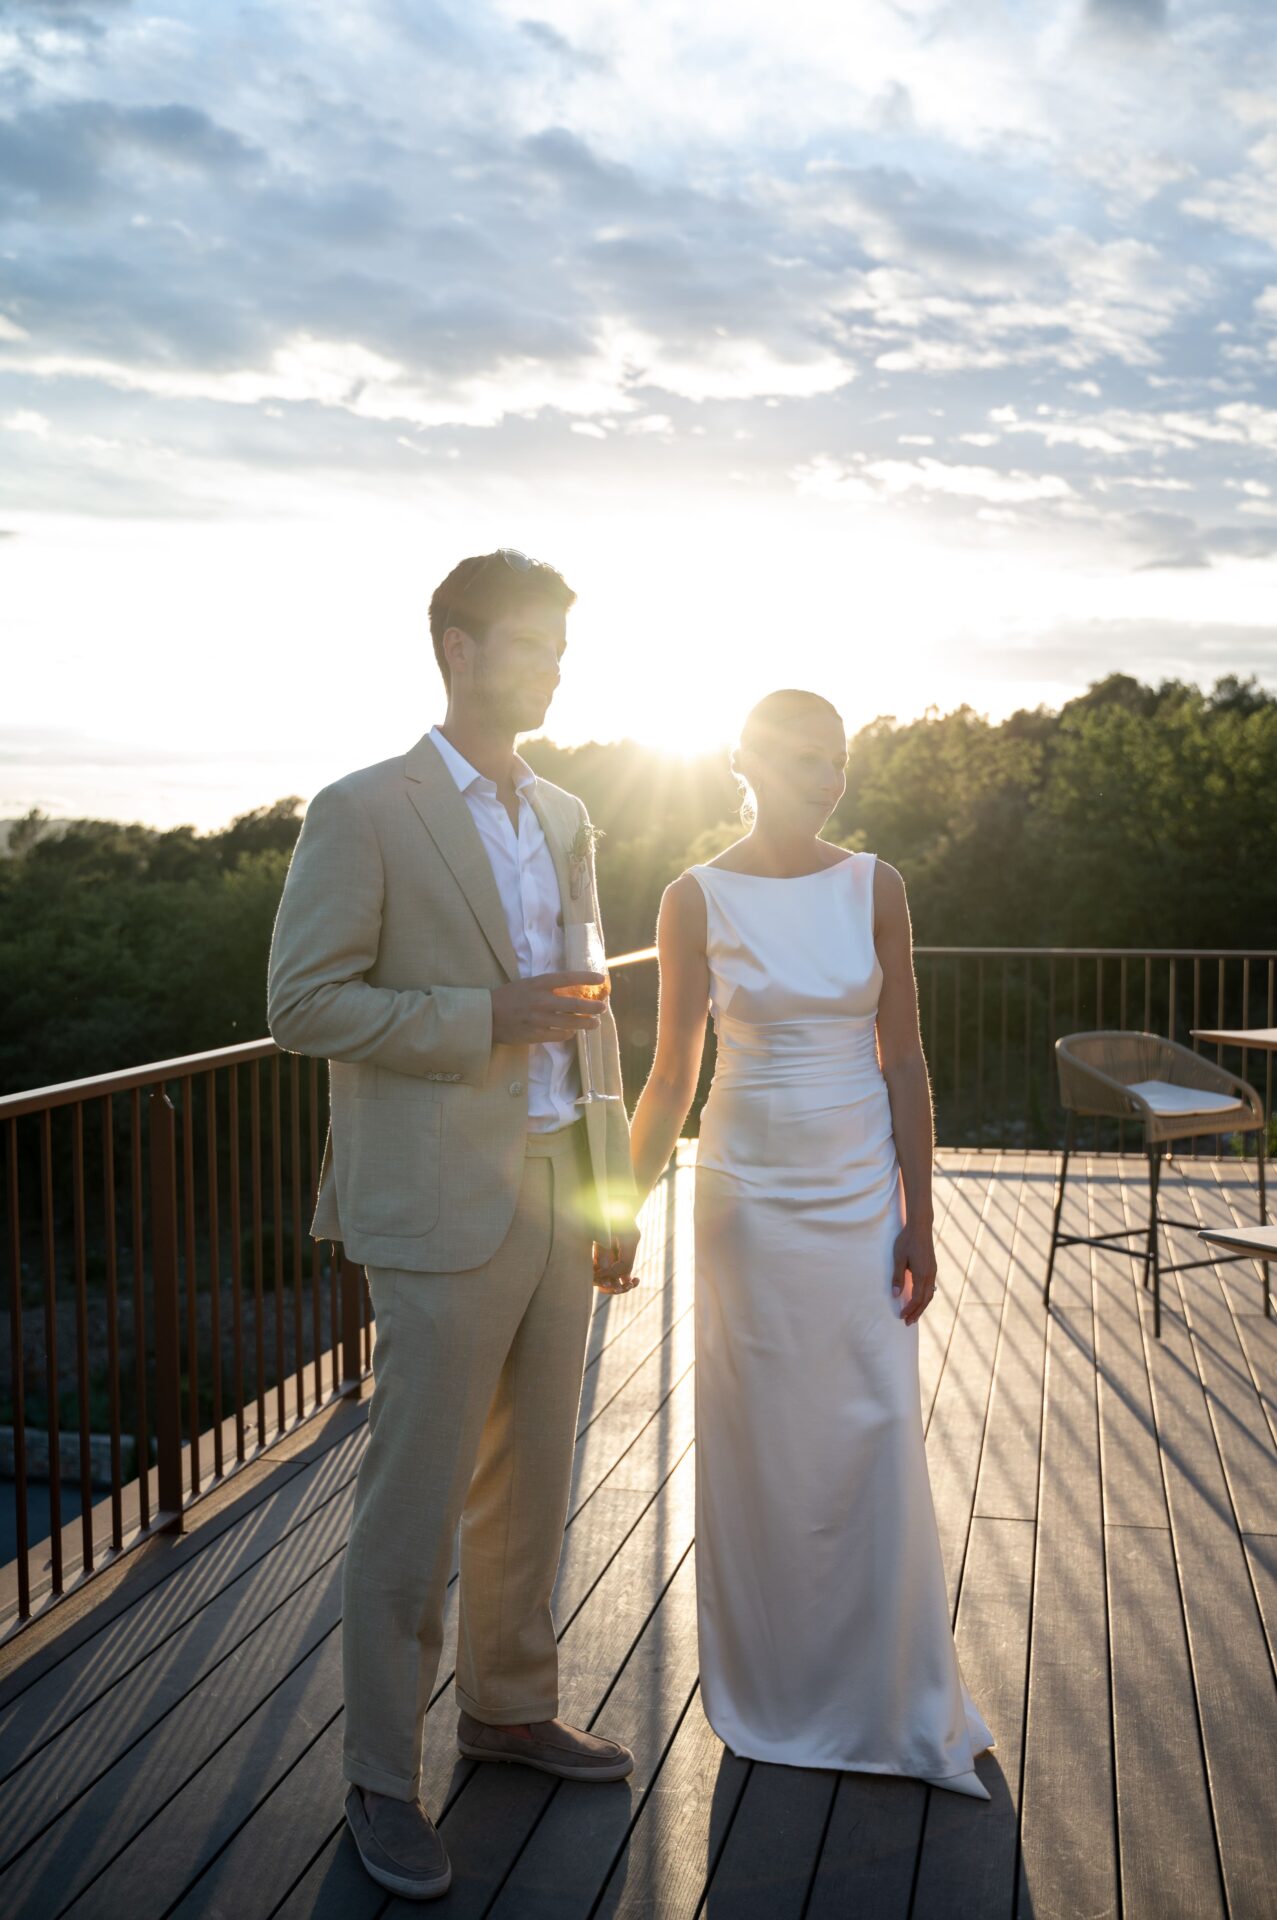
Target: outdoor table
(1262,1038)
(1260,1242)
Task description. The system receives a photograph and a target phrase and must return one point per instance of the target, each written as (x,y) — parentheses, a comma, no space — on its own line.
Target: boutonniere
(581,857)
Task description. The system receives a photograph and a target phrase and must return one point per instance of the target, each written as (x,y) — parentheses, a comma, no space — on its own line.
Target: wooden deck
(170,1741)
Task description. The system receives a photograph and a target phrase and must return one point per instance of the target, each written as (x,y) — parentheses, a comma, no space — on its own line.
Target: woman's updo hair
(786,711)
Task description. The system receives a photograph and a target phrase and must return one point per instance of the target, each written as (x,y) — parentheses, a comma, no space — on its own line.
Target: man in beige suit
(478,1166)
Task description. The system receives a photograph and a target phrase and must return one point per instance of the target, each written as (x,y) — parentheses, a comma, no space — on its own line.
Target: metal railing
(156,1229)
(156,1226)
(991,1017)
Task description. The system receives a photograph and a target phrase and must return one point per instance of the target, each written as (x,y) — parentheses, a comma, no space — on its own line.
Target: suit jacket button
(516,1086)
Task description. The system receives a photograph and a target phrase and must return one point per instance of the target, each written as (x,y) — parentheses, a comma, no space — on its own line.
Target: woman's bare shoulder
(891,906)
(683,908)
(889,879)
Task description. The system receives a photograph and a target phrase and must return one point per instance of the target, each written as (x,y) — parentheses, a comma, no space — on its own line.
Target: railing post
(352,1291)
(168,1352)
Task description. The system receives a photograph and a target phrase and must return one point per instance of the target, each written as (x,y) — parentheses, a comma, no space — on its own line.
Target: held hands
(914,1271)
(527,1012)
(614,1261)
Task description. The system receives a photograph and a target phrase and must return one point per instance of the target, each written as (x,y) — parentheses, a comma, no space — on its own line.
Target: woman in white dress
(823,1617)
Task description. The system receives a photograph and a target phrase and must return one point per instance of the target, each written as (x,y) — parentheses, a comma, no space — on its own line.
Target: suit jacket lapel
(446,818)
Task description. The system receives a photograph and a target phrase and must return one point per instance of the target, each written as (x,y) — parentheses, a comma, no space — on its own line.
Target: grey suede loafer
(550,1745)
(398,1845)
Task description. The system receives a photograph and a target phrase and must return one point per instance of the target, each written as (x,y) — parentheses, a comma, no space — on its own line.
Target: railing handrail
(66,1093)
(1101,953)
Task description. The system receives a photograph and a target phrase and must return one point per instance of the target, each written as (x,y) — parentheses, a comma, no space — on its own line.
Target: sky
(920,353)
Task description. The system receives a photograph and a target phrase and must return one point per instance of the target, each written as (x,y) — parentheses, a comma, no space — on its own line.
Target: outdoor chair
(1172,1094)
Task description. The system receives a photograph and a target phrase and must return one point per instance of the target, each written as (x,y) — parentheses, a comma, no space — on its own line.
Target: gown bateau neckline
(785,878)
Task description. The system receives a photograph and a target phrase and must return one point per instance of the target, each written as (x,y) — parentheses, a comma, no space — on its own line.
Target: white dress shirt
(523,868)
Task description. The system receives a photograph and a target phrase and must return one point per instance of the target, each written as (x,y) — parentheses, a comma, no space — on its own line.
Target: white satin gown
(823,1617)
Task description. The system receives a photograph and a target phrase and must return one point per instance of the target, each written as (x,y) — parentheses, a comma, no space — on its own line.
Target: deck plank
(1007,1488)
(1238,1188)
(169,1583)
(765,1869)
(1068,1856)
(990,1260)
(967,1868)
(968,1850)
(683,1823)
(1168,1865)
(956,1431)
(870,1850)
(1242,1432)
(958,1408)
(568,1859)
(955,1238)
(1132,1470)
(1261,1559)
(123,1749)
(1238,1713)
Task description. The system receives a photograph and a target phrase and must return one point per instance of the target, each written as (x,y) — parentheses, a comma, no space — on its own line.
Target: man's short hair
(482,590)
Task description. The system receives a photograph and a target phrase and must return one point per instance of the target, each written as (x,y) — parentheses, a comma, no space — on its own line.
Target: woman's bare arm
(908,1088)
(680,1034)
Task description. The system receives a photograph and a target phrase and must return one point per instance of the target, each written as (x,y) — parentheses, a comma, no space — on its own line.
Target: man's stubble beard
(516,712)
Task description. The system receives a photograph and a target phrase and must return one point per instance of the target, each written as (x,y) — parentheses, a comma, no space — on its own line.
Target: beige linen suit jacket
(389,936)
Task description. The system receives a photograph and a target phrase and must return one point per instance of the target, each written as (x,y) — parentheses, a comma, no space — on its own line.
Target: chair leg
(1152,1256)
(1070,1125)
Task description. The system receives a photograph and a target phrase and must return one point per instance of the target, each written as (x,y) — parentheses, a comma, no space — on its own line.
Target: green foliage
(1136,816)
(120,944)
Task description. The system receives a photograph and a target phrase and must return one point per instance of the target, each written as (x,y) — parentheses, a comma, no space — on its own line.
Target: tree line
(1134,816)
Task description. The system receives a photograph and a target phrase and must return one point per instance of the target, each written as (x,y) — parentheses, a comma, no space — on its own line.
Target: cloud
(212,275)
(549,40)
(1128,16)
(966,482)
(1076,652)
(1242,202)
(59,158)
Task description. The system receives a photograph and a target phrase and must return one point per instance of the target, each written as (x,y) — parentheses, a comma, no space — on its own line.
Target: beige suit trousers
(473,1420)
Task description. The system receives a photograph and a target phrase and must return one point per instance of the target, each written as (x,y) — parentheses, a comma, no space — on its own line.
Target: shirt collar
(467,776)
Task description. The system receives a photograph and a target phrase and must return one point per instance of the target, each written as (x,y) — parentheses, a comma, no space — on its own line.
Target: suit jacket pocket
(392,1183)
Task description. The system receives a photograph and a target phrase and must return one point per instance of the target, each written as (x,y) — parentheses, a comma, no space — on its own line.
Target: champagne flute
(583,952)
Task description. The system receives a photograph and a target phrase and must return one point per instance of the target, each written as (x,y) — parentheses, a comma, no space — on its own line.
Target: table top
(1264,1038)
(1261,1241)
